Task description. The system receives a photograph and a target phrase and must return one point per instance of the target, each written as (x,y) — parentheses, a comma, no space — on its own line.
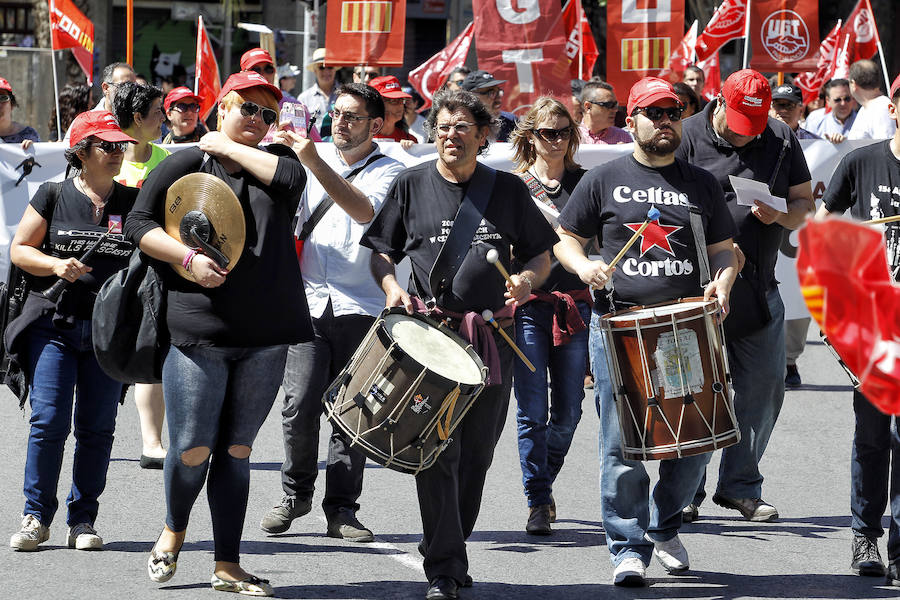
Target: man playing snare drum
(611,202)
(420,216)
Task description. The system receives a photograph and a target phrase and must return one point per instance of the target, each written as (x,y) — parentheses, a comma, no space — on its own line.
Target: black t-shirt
(701,146)
(559,279)
(418,213)
(262,302)
(867,180)
(612,201)
(71,231)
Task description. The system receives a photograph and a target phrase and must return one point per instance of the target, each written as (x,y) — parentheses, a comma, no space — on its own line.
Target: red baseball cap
(247,79)
(895,87)
(179,93)
(99,123)
(255,56)
(4,85)
(748,97)
(389,87)
(649,90)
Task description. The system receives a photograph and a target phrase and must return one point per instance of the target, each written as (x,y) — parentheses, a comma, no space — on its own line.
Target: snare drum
(405,390)
(670,379)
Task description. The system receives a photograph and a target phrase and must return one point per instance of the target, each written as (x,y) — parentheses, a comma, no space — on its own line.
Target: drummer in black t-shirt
(416,219)
(611,202)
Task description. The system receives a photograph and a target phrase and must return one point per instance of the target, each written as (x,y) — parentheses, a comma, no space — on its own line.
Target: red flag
(726,24)
(712,76)
(861,32)
(365,32)
(579,40)
(811,81)
(848,289)
(207,83)
(430,75)
(785,34)
(641,36)
(683,57)
(840,64)
(71,29)
(523,43)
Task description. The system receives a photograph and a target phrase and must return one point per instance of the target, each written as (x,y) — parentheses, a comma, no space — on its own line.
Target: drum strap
(700,242)
(465,224)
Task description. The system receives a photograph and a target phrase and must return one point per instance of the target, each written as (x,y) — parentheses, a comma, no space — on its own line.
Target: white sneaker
(84,537)
(31,534)
(672,555)
(630,573)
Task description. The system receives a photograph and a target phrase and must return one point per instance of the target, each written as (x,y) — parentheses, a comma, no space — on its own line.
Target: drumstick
(882,220)
(652,215)
(493,257)
(488,316)
(55,291)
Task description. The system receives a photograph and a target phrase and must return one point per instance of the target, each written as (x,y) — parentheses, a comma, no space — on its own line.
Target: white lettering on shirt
(657,268)
(655,195)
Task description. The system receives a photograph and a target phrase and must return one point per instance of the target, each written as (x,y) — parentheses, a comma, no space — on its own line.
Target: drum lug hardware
(389,425)
(359,400)
(418,443)
(622,391)
(717,387)
(688,399)
(652,401)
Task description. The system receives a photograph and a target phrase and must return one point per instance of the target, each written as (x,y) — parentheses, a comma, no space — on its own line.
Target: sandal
(161,565)
(251,586)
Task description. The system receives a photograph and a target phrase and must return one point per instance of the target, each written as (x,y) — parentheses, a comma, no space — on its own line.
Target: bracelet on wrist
(188,259)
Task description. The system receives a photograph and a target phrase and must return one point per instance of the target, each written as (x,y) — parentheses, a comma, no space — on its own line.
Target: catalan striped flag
(645,54)
(366,17)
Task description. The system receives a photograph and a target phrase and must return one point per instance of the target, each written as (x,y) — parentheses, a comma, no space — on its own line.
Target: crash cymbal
(202,210)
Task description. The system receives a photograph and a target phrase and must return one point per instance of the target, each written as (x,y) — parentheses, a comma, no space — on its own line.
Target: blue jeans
(624,484)
(757,382)
(60,362)
(875,474)
(543,443)
(216,397)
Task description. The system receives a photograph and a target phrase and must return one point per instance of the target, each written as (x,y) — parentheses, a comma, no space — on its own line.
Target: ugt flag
(207,83)
(428,77)
(860,32)
(784,34)
(365,32)
(579,41)
(69,28)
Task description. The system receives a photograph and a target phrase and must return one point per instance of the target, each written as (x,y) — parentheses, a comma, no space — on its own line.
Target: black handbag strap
(328,202)
(465,224)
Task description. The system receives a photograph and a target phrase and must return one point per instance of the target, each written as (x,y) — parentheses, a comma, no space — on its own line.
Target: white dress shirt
(873,121)
(333,264)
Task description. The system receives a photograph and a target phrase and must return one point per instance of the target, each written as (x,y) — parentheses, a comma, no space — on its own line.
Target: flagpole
(59,136)
(197,61)
(746,35)
(580,15)
(129,32)
(887,82)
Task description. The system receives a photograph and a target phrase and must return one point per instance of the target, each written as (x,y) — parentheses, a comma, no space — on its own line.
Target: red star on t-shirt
(655,235)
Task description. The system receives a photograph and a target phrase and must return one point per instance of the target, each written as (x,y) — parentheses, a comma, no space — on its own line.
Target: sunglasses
(111,147)
(367,74)
(182,107)
(655,113)
(268,69)
(845,99)
(337,115)
(249,109)
(4,98)
(610,104)
(551,135)
(324,68)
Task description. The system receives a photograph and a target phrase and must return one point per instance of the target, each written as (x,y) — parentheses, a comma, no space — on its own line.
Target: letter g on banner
(519,12)
(660,13)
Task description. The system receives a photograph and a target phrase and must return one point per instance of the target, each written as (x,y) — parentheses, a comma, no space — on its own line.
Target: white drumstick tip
(492,256)
(487,314)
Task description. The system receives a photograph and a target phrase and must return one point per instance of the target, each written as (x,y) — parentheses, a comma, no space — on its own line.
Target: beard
(660,146)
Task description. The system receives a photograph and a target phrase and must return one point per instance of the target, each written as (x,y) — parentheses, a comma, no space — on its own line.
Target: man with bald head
(874,120)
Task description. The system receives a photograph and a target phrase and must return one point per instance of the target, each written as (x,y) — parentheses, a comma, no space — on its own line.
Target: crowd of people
(359,213)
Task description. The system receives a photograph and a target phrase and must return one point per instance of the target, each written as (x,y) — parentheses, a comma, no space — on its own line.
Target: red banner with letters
(640,37)
(69,28)
(428,77)
(579,41)
(784,34)
(726,24)
(365,32)
(860,32)
(523,43)
(207,83)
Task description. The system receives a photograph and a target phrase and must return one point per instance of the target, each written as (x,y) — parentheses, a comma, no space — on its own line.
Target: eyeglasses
(324,68)
(784,105)
(490,93)
(551,135)
(4,98)
(394,100)
(268,69)
(367,74)
(111,147)
(462,128)
(610,104)
(845,99)
(248,109)
(655,113)
(337,115)
(182,107)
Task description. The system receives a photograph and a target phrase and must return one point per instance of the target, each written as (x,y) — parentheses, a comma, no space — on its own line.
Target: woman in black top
(551,328)
(229,329)
(52,340)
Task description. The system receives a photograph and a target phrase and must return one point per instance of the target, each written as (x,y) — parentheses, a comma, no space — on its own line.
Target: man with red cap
(182,108)
(605,202)
(394,106)
(734,135)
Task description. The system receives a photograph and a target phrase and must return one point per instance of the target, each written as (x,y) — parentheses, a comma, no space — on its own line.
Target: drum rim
(691,313)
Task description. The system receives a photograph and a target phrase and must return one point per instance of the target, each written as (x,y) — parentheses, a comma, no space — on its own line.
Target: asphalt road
(804,555)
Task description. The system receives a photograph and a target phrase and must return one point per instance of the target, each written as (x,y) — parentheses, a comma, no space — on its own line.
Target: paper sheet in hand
(748,191)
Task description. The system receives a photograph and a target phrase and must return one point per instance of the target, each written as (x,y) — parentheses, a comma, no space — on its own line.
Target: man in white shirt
(319,98)
(113,75)
(873,121)
(837,122)
(343,301)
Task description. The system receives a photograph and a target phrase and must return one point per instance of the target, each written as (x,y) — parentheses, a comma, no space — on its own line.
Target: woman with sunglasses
(229,330)
(551,328)
(12,132)
(51,340)
(183,117)
(138,110)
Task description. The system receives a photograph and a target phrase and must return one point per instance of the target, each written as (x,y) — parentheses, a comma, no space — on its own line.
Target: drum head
(429,347)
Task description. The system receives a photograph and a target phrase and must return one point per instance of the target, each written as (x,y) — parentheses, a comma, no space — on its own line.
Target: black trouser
(450,491)
(310,368)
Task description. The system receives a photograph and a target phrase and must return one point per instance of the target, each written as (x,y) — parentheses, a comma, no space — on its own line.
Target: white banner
(19,180)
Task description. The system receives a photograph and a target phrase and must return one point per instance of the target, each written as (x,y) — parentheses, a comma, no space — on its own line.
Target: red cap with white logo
(389,87)
(247,79)
(99,123)
(255,56)
(895,88)
(748,97)
(179,93)
(4,86)
(649,90)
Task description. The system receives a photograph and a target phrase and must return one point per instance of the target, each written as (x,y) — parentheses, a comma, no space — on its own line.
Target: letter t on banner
(523,43)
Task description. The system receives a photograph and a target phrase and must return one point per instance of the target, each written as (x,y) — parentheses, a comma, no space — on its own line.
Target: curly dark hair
(461,99)
(71,154)
(133,98)
(74,99)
